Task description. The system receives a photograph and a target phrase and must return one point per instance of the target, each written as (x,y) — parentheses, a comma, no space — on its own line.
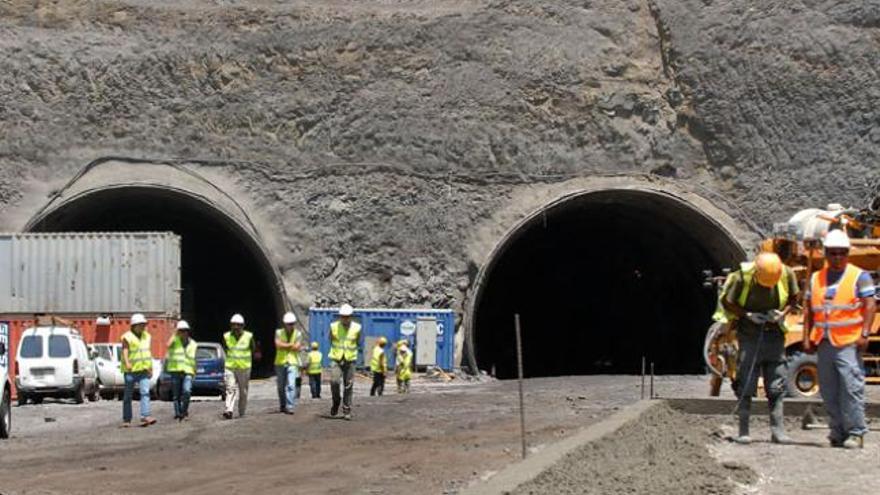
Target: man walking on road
(288,344)
(314,370)
(345,342)
(758,297)
(181,365)
(403,369)
(840,313)
(137,366)
(239,344)
(379,367)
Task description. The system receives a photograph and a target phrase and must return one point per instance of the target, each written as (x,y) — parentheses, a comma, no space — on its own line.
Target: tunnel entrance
(600,280)
(223,271)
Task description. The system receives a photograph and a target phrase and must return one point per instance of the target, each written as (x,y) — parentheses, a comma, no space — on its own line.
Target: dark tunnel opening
(599,281)
(222,270)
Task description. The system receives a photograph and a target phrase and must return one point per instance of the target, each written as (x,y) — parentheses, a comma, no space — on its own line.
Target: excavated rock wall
(378,138)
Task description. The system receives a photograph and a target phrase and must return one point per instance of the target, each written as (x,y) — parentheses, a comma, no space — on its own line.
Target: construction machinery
(798,243)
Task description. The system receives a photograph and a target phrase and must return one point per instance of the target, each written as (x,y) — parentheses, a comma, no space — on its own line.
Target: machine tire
(6,415)
(79,394)
(802,375)
(93,397)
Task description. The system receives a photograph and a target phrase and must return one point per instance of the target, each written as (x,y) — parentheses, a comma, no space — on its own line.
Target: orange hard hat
(768,269)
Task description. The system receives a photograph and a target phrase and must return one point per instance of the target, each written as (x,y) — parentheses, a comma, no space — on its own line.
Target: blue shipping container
(387,323)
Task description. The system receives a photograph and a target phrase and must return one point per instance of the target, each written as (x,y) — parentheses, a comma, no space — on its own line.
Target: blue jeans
(315,385)
(143,383)
(286,381)
(181,391)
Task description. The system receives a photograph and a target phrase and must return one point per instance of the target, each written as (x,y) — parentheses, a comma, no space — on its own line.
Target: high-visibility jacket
(344,343)
(377,364)
(748,275)
(842,314)
(315,365)
(286,357)
(238,351)
(182,359)
(404,364)
(139,354)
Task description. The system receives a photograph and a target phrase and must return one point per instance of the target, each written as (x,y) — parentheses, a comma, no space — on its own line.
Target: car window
(207,352)
(104,353)
(118,349)
(59,346)
(31,346)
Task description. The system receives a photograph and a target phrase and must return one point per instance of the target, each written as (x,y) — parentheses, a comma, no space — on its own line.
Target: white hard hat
(289,318)
(837,239)
(103,321)
(237,318)
(182,325)
(138,319)
(346,310)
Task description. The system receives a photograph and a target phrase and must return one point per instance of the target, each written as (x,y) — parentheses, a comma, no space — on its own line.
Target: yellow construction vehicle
(798,244)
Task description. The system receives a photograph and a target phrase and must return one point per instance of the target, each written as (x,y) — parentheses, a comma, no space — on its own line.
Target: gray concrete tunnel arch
(225,268)
(601,278)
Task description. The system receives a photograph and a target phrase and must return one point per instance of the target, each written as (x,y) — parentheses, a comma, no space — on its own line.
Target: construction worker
(403,368)
(180,362)
(239,344)
(345,342)
(314,370)
(379,366)
(288,344)
(137,366)
(758,297)
(839,315)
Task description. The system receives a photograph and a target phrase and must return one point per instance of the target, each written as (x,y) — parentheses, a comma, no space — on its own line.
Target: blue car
(210,364)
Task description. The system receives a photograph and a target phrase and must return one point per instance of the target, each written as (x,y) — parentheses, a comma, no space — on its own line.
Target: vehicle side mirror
(93,355)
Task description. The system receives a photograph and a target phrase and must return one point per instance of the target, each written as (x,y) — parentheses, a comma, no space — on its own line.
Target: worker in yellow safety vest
(345,343)
(314,370)
(288,344)
(180,363)
(239,344)
(379,366)
(840,315)
(137,368)
(403,368)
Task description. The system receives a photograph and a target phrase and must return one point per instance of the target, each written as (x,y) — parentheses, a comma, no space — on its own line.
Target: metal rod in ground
(519,366)
(652,380)
(643,377)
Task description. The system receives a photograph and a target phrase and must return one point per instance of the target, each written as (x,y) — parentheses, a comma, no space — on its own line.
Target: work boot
(334,410)
(742,439)
(780,438)
(854,442)
(346,416)
(777,421)
(227,415)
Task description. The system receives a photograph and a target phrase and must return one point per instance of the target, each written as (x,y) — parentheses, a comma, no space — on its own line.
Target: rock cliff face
(386,142)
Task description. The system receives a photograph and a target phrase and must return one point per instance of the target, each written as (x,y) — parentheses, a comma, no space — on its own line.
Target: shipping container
(423,329)
(90,273)
(160,328)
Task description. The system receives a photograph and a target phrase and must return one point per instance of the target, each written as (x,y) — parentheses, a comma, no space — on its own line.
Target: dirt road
(435,440)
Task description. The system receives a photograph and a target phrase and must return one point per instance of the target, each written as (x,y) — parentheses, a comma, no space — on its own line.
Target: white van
(5,386)
(54,362)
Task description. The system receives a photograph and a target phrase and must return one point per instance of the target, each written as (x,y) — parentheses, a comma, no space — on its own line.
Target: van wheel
(93,397)
(802,375)
(79,394)
(6,415)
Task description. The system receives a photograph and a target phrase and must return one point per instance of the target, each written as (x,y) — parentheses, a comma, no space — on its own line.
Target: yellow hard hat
(768,269)
(401,343)
(383,340)
(314,346)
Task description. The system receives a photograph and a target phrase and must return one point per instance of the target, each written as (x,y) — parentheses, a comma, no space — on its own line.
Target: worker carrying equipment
(345,342)
(756,299)
(379,366)
(840,314)
(315,366)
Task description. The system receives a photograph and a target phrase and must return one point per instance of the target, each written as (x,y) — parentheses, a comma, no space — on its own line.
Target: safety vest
(182,359)
(404,364)
(748,274)
(840,315)
(343,344)
(315,358)
(238,353)
(377,364)
(139,355)
(285,356)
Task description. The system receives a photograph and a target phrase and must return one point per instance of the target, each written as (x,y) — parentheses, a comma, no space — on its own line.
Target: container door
(426,341)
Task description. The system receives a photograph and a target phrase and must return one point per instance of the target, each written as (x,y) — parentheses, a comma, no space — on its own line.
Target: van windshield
(206,352)
(59,346)
(31,347)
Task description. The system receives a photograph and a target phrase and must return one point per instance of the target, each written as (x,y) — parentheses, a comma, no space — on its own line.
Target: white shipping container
(94,272)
